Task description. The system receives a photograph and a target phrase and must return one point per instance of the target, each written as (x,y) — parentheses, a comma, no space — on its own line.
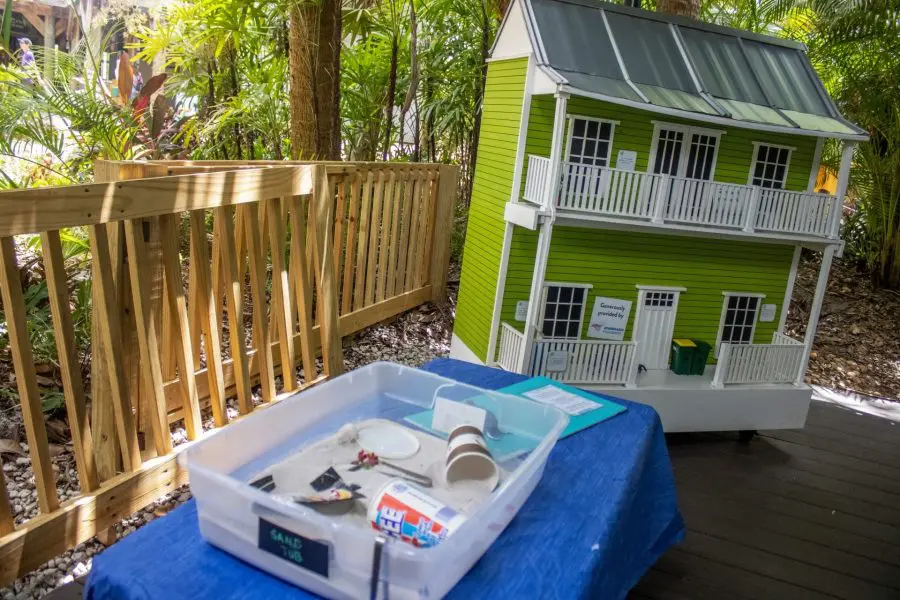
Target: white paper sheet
(565,401)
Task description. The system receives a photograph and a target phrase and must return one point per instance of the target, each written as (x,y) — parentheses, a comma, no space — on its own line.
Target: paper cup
(405,512)
(469,462)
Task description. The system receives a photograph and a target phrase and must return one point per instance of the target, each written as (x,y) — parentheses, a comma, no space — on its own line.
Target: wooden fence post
(327,300)
(443,230)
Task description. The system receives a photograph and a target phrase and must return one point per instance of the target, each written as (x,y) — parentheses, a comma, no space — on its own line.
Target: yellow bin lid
(685,343)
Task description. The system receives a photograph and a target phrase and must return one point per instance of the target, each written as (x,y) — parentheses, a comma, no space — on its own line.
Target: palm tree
(684,8)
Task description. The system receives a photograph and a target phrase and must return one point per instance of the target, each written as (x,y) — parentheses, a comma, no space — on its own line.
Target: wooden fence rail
(208,278)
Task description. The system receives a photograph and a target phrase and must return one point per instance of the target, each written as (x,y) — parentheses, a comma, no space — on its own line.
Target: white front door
(654,324)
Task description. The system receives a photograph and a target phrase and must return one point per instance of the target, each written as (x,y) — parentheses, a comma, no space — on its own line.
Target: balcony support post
(661,200)
(841,193)
(816,310)
(546,233)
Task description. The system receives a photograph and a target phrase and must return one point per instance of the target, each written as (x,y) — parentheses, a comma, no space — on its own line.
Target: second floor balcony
(602,193)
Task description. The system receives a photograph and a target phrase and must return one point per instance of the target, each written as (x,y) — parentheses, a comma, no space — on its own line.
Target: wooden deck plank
(793,514)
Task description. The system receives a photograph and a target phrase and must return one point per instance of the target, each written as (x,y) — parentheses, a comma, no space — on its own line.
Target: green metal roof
(680,66)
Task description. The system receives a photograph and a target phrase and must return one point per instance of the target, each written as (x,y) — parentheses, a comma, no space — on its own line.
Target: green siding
(635,132)
(614,262)
(491,190)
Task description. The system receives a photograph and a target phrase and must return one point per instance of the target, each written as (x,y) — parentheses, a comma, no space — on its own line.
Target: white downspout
(546,232)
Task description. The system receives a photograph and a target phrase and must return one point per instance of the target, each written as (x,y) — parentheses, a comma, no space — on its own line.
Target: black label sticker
(287,545)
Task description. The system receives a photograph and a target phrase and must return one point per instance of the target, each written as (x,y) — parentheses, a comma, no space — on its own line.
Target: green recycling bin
(701,354)
(682,357)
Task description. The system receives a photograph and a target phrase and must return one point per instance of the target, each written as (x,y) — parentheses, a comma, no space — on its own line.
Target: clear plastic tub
(230,510)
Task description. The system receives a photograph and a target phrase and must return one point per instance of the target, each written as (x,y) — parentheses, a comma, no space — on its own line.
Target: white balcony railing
(778,362)
(511,341)
(585,361)
(663,199)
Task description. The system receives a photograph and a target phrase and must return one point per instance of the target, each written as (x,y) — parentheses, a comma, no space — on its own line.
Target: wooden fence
(321,250)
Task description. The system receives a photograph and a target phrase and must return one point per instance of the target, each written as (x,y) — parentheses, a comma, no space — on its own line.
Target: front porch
(600,362)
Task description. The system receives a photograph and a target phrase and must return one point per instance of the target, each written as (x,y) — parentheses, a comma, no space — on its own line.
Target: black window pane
(605,130)
(560,329)
(552,293)
(576,146)
(565,294)
(726,334)
(779,174)
(758,171)
(578,294)
(579,127)
(763,153)
(745,335)
(592,129)
(549,311)
(729,316)
(590,146)
(770,171)
(602,149)
(575,312)
(753,303)
(562,312)
(548,328)
(783,156)
(573,330)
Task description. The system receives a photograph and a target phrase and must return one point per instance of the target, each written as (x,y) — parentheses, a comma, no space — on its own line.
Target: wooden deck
(806,514)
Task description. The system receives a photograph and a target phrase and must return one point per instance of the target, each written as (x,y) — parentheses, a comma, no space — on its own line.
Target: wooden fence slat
(7,523)
(352,228)
(167,336)
(148,342)
(281,306)
(448,176)
(67,354)
(427,231)
(234,297)
(194,313)
(416,217)
(407,213)
(301,278)
(180,327)
(374,233)
(401,183)
(327,300)
(207,316)
(341,207)
(26,378)
(258,297)
(359,289)
(385,237)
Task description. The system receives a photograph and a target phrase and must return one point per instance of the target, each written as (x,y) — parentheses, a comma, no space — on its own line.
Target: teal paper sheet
(605,408)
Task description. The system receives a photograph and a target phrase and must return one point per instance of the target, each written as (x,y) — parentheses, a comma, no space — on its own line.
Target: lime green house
(643,189)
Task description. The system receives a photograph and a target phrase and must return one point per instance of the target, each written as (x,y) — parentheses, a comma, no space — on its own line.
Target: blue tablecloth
(603,513)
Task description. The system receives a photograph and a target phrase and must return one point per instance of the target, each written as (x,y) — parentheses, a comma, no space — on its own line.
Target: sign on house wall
(625,160)
(609,319)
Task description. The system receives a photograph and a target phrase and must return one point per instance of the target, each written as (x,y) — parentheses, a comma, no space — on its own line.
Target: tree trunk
(685,8)
(328,81)
(389,101)
(301,60)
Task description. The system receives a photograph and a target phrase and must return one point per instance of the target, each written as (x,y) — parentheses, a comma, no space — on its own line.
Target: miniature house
(645,181)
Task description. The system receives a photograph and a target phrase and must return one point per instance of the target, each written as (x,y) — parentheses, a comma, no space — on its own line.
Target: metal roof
(680,66)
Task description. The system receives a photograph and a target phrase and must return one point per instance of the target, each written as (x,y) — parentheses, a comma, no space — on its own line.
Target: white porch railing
(778,362)
(664,199)
(511,341)
(585,361)
(536,179)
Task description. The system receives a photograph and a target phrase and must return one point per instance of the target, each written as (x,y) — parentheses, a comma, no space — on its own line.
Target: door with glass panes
(689,156)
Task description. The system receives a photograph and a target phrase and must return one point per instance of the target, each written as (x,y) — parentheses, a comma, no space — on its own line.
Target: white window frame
(787,167)
(726,298)
(561,284)
(570,132)
(689,131)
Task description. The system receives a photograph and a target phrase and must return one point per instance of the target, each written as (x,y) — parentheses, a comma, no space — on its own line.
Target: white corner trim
(746,294)
(499,291)
(789,289)
(689,128)
(597,119)
(661,288)
(757,144)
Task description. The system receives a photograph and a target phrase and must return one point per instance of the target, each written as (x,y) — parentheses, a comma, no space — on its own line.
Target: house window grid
(659,300)
(770,166)
(740,314)
(685,143)
(590,141)
(563,310)
(701,156)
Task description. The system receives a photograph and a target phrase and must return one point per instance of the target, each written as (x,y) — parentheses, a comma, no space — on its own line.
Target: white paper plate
(388,441)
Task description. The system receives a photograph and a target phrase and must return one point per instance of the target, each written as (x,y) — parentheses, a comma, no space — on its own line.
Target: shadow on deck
(812,513)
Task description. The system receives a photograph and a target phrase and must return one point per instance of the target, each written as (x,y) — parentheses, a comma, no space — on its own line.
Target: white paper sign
(609,319)
(567,402)
(557,361)
(449,414)
(625,160)
(521,310)
(767,313)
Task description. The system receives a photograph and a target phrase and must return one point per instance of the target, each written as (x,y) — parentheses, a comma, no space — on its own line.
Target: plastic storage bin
(701,355)
(230,511)
(682,358)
